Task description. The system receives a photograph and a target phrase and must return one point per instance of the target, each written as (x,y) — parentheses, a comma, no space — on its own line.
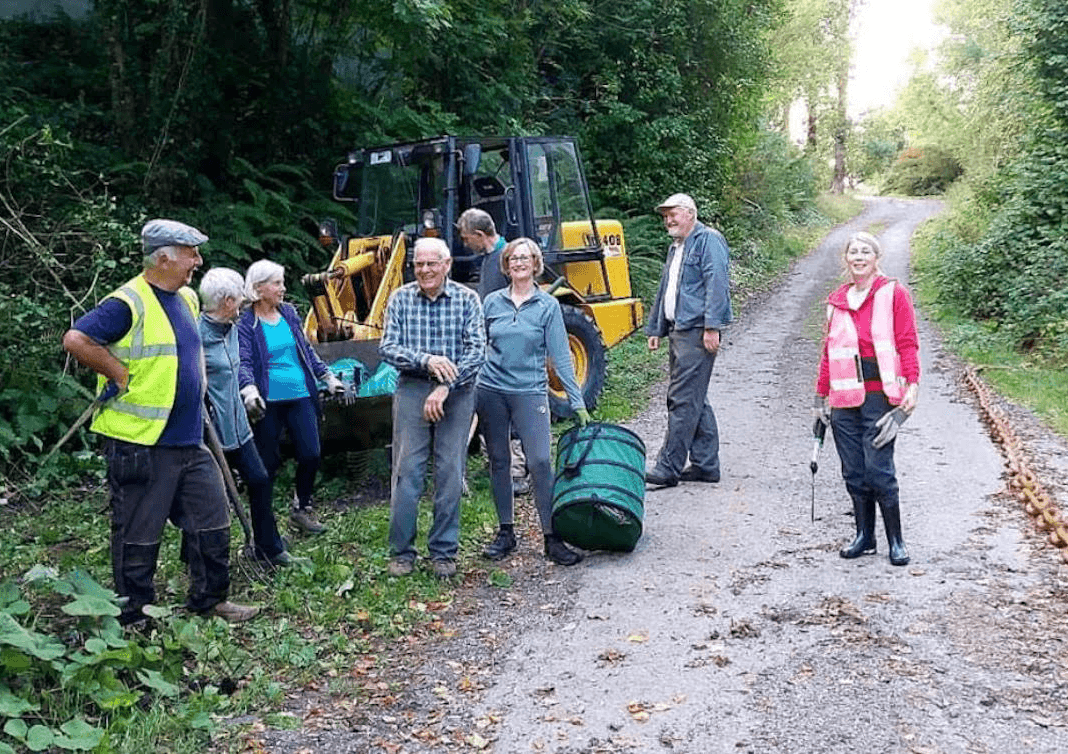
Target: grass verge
(1032,380)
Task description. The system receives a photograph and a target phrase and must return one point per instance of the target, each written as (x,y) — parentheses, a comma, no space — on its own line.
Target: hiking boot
(285,558)
(558,552)
(401,566)
(659,479)
(502,546)
(305,520)
(694,474)
(444,569)
(231,612)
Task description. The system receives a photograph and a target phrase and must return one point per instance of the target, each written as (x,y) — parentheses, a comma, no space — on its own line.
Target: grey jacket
(704,296)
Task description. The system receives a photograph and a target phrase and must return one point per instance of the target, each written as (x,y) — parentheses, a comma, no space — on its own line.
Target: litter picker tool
(819,431)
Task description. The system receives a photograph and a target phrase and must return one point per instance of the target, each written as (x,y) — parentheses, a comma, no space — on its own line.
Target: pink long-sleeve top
(906,341)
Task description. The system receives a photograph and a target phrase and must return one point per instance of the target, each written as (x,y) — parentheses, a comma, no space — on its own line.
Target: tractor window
(489,184)
(393,195)
(558,195)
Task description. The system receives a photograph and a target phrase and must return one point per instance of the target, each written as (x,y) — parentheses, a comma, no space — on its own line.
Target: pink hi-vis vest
(843,352)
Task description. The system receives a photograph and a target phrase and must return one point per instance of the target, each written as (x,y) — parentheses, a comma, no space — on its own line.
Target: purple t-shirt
(111,320)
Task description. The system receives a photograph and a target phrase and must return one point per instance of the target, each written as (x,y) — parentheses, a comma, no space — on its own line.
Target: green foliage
(922,171)
(65,675)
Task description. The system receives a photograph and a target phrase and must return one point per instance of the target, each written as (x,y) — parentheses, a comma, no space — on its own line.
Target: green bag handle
(571,468)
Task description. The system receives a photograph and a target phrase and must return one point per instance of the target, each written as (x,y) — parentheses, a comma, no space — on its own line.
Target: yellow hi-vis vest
(149,350)
(843,353)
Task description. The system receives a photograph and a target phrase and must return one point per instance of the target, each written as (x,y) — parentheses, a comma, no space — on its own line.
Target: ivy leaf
(92,606)
(40,646)
(39,738)
(155,680)
(80,736)
(16,729)
(14,706)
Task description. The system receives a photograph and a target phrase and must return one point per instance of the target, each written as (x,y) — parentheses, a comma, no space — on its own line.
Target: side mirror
(472,158)
(346,183)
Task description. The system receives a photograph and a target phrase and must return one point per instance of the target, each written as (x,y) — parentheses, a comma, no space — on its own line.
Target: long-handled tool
(251,567)
(110,391)
(819,431)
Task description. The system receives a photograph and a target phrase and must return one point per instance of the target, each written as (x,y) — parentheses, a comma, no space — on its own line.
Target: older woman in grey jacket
(222,291)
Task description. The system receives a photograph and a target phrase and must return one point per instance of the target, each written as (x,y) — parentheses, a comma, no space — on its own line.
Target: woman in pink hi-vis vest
(868,382)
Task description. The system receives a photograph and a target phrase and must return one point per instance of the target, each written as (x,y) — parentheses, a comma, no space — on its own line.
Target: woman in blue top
(277,376)
(524,325)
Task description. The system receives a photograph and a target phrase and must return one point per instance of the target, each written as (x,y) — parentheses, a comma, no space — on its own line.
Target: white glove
(254,403)
(820,411)
(333,384)
(888,425)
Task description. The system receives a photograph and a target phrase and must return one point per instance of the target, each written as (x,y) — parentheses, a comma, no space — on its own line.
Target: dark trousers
(149,485)
(301,421)
(246,459)
(692,431)
(868,472)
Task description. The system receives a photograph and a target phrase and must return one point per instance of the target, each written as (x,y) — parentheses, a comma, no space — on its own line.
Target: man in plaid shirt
(436,339)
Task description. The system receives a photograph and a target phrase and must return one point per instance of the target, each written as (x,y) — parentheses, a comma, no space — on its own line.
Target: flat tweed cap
(160,232)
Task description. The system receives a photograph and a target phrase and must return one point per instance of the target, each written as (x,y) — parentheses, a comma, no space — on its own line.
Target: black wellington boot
(899,556)
(864,544)
(558,552)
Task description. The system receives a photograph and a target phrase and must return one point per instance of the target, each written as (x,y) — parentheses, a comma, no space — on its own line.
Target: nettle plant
(67,670)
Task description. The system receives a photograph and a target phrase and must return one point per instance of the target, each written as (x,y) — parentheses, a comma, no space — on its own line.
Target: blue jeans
(414,439)
(301,420)
(501,414)
(692,430)
(247,461)
(868,472)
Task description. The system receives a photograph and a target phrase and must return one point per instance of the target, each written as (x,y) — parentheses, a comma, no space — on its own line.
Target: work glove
(111,390)
(582,416)
(333,384)
(821,412)
(888,425)
(254,403)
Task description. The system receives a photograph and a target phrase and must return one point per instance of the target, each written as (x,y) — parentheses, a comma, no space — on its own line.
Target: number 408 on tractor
(531,186)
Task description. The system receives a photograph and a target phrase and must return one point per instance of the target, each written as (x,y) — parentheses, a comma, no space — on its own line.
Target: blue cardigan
(253,370)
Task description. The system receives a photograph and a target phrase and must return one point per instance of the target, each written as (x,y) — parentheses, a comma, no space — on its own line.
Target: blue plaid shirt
(418,328)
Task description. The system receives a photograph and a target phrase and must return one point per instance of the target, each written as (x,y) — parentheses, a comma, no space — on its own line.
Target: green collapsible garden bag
(599,492)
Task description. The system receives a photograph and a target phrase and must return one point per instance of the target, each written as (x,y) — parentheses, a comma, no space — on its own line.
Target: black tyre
(588,358)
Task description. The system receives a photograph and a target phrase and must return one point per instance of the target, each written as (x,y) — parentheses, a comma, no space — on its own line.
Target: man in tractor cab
(691,308)
(436,338)
(479,234)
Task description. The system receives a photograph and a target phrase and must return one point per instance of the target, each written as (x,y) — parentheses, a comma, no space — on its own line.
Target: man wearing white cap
(691,308)
(142,341)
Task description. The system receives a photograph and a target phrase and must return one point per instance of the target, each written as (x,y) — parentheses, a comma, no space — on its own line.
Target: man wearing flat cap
(691,308)
(142,341)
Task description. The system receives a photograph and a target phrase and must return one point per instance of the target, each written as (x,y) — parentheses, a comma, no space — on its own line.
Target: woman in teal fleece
(524,326)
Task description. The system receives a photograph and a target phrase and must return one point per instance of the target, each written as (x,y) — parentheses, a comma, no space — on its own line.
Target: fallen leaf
(477,741)
(638,638)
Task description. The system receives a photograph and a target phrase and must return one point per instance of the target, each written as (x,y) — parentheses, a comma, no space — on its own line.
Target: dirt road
(735,626)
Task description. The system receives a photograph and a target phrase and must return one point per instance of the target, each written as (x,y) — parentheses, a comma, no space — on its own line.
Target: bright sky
(886,32)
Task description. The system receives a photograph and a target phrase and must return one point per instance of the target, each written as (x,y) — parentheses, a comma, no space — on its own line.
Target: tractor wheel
(588,358)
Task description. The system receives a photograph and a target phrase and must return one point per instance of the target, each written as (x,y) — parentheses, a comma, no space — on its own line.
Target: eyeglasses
(419,265)
(520,258)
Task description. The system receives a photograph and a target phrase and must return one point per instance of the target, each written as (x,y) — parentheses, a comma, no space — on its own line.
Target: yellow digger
(531,186)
